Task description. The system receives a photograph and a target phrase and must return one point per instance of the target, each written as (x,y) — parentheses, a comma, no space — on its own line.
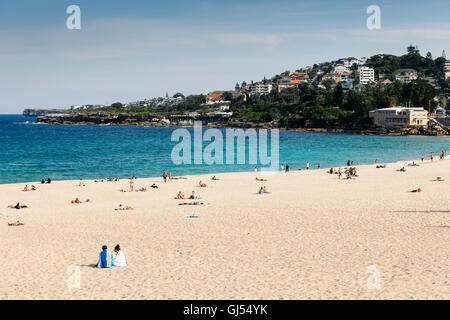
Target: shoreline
(266,173)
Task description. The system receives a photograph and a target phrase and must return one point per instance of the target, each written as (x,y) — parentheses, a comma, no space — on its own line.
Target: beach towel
(105,260)
(120,260)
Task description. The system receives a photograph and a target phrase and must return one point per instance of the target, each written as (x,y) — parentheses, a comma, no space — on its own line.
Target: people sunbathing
(214,178)
(81,184)
(18,206)
(201,184)
(154,186)
(192,196)
(180,195)
(402,169)
(33,188)
(143,189)
(260,179)
(79,201)
(263,190)
(195,203)
(15,224)
(381,166)
(122,208)
(416,190)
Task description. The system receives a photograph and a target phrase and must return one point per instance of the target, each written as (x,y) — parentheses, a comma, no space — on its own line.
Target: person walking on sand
(282,167)
(165,176)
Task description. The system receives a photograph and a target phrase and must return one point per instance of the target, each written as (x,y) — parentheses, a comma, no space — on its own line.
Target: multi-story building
(447,70)
(399,117)
(366,75)
(405,75)
(261,88)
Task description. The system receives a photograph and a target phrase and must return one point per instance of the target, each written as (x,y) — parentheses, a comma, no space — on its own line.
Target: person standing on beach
(165,176)
(422,158)
(131,184)
(287,168)
(318,166)
(282,167)
(307,165)
(431,156)
(348,163)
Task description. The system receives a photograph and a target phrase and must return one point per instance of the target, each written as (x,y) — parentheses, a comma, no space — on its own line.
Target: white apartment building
(447,70)
(406,75)
(366,75)
(261,88)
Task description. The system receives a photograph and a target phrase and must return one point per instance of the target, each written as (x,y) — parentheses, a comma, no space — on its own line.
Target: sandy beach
(313,237)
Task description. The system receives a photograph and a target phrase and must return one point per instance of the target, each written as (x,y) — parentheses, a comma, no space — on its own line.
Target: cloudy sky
(131,50)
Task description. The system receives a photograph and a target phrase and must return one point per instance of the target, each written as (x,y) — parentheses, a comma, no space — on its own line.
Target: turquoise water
(30,152)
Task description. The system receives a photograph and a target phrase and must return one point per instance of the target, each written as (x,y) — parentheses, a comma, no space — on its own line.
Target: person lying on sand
(180,195)
(119,259)
(121,190)
(201,184)
(79,201)
(260,179)
(413,164)
(15,224)
(154,186)
(416,190)
(33,188)
(439,179)
(17,206)
(381,166)
(402,169)
(191,203)
(121,208)
(143,189)
(214,178)
(105,259)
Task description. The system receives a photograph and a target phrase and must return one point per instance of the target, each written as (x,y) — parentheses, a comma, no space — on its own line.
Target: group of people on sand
(108,180)
(26,188)
(76,201)
(107,260)
(48,181)
(124,208)
(263,190)
(180,195)
(349,173)
(18,206)
(168,176)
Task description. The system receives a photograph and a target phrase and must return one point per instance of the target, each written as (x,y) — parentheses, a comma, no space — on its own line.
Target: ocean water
(30,151)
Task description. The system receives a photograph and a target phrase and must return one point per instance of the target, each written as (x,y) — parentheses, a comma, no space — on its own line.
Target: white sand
(313,238)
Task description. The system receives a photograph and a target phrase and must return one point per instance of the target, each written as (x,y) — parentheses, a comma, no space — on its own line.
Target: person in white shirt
(119,259)
(307,165)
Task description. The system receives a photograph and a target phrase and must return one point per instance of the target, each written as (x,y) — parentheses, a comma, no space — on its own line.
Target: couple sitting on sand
(107,260)
(33,188)
(263,190)
(180,195)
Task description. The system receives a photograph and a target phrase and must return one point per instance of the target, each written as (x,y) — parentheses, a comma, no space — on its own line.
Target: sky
(132,50)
